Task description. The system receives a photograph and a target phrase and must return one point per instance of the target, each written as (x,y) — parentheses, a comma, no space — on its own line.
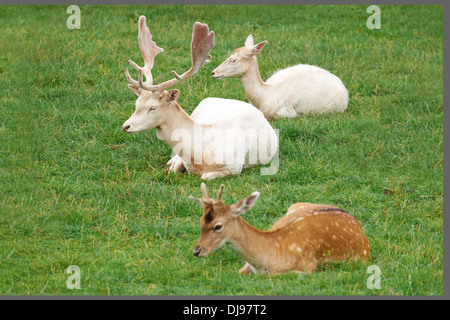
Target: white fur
(304,89)
(210,141)
(214,124)
(301,89)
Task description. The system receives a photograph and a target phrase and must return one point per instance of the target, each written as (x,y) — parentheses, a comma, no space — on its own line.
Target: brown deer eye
(217,227)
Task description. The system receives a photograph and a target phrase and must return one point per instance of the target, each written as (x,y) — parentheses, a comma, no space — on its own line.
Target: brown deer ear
(198,200)
(245,204)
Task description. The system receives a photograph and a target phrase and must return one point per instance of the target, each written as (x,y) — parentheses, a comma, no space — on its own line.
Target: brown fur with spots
(308,235)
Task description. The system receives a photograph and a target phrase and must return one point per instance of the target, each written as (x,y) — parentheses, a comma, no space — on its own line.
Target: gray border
(223,298)
(220,2)
(446,292)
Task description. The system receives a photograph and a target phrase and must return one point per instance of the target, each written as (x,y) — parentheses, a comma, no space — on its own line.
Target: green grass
(76,190)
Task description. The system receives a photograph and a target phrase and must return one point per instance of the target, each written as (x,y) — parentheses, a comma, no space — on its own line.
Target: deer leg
(247,269)
(175,165)
(215,174)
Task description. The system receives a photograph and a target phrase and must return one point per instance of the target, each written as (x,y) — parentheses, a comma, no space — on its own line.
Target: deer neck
(179,131)
(253,84)
(254,246)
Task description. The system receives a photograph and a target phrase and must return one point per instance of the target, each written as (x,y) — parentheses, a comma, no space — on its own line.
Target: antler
(149,50)
(219,194)
(201,45)
(204,192)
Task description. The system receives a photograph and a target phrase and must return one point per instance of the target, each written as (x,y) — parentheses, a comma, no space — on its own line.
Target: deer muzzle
(198,251)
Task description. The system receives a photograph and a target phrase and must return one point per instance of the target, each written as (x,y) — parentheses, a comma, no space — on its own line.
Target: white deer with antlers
(300,89)
(308,235)
(220,138)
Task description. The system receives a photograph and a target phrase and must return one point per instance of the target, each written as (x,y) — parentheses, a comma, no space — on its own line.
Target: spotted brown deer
(308,235)
(221,137)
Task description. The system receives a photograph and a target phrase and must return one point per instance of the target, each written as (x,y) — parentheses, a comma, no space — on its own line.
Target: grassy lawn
(76,190)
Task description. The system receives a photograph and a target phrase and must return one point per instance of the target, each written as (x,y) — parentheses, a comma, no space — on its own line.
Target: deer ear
(257,48)
(172,95)
(198,200)
(136,89)
(249,42)
(245,204)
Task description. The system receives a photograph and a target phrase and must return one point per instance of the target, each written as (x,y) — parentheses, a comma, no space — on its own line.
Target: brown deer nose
(125,128)
(197,251)
(213,73)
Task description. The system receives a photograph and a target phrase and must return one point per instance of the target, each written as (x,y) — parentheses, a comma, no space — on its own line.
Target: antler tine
(205,194)
(219,194)
(201,45)
(149,50)
(130,79)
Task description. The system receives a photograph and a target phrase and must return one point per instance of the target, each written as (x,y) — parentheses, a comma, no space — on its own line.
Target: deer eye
(232,60)
(218,227)
(152,108)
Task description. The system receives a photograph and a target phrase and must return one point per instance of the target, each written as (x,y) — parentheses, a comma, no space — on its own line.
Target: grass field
(76,190)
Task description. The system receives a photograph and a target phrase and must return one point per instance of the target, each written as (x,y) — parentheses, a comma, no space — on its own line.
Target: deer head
(150,106)
(218,220)
(239,61)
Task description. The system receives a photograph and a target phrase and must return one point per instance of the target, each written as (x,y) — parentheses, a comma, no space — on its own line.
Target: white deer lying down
(300,89)
(220,138)
(308,235)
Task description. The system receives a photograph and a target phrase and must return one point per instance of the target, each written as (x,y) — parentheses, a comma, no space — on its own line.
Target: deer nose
(197,251)
(125,128)
(213,73)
